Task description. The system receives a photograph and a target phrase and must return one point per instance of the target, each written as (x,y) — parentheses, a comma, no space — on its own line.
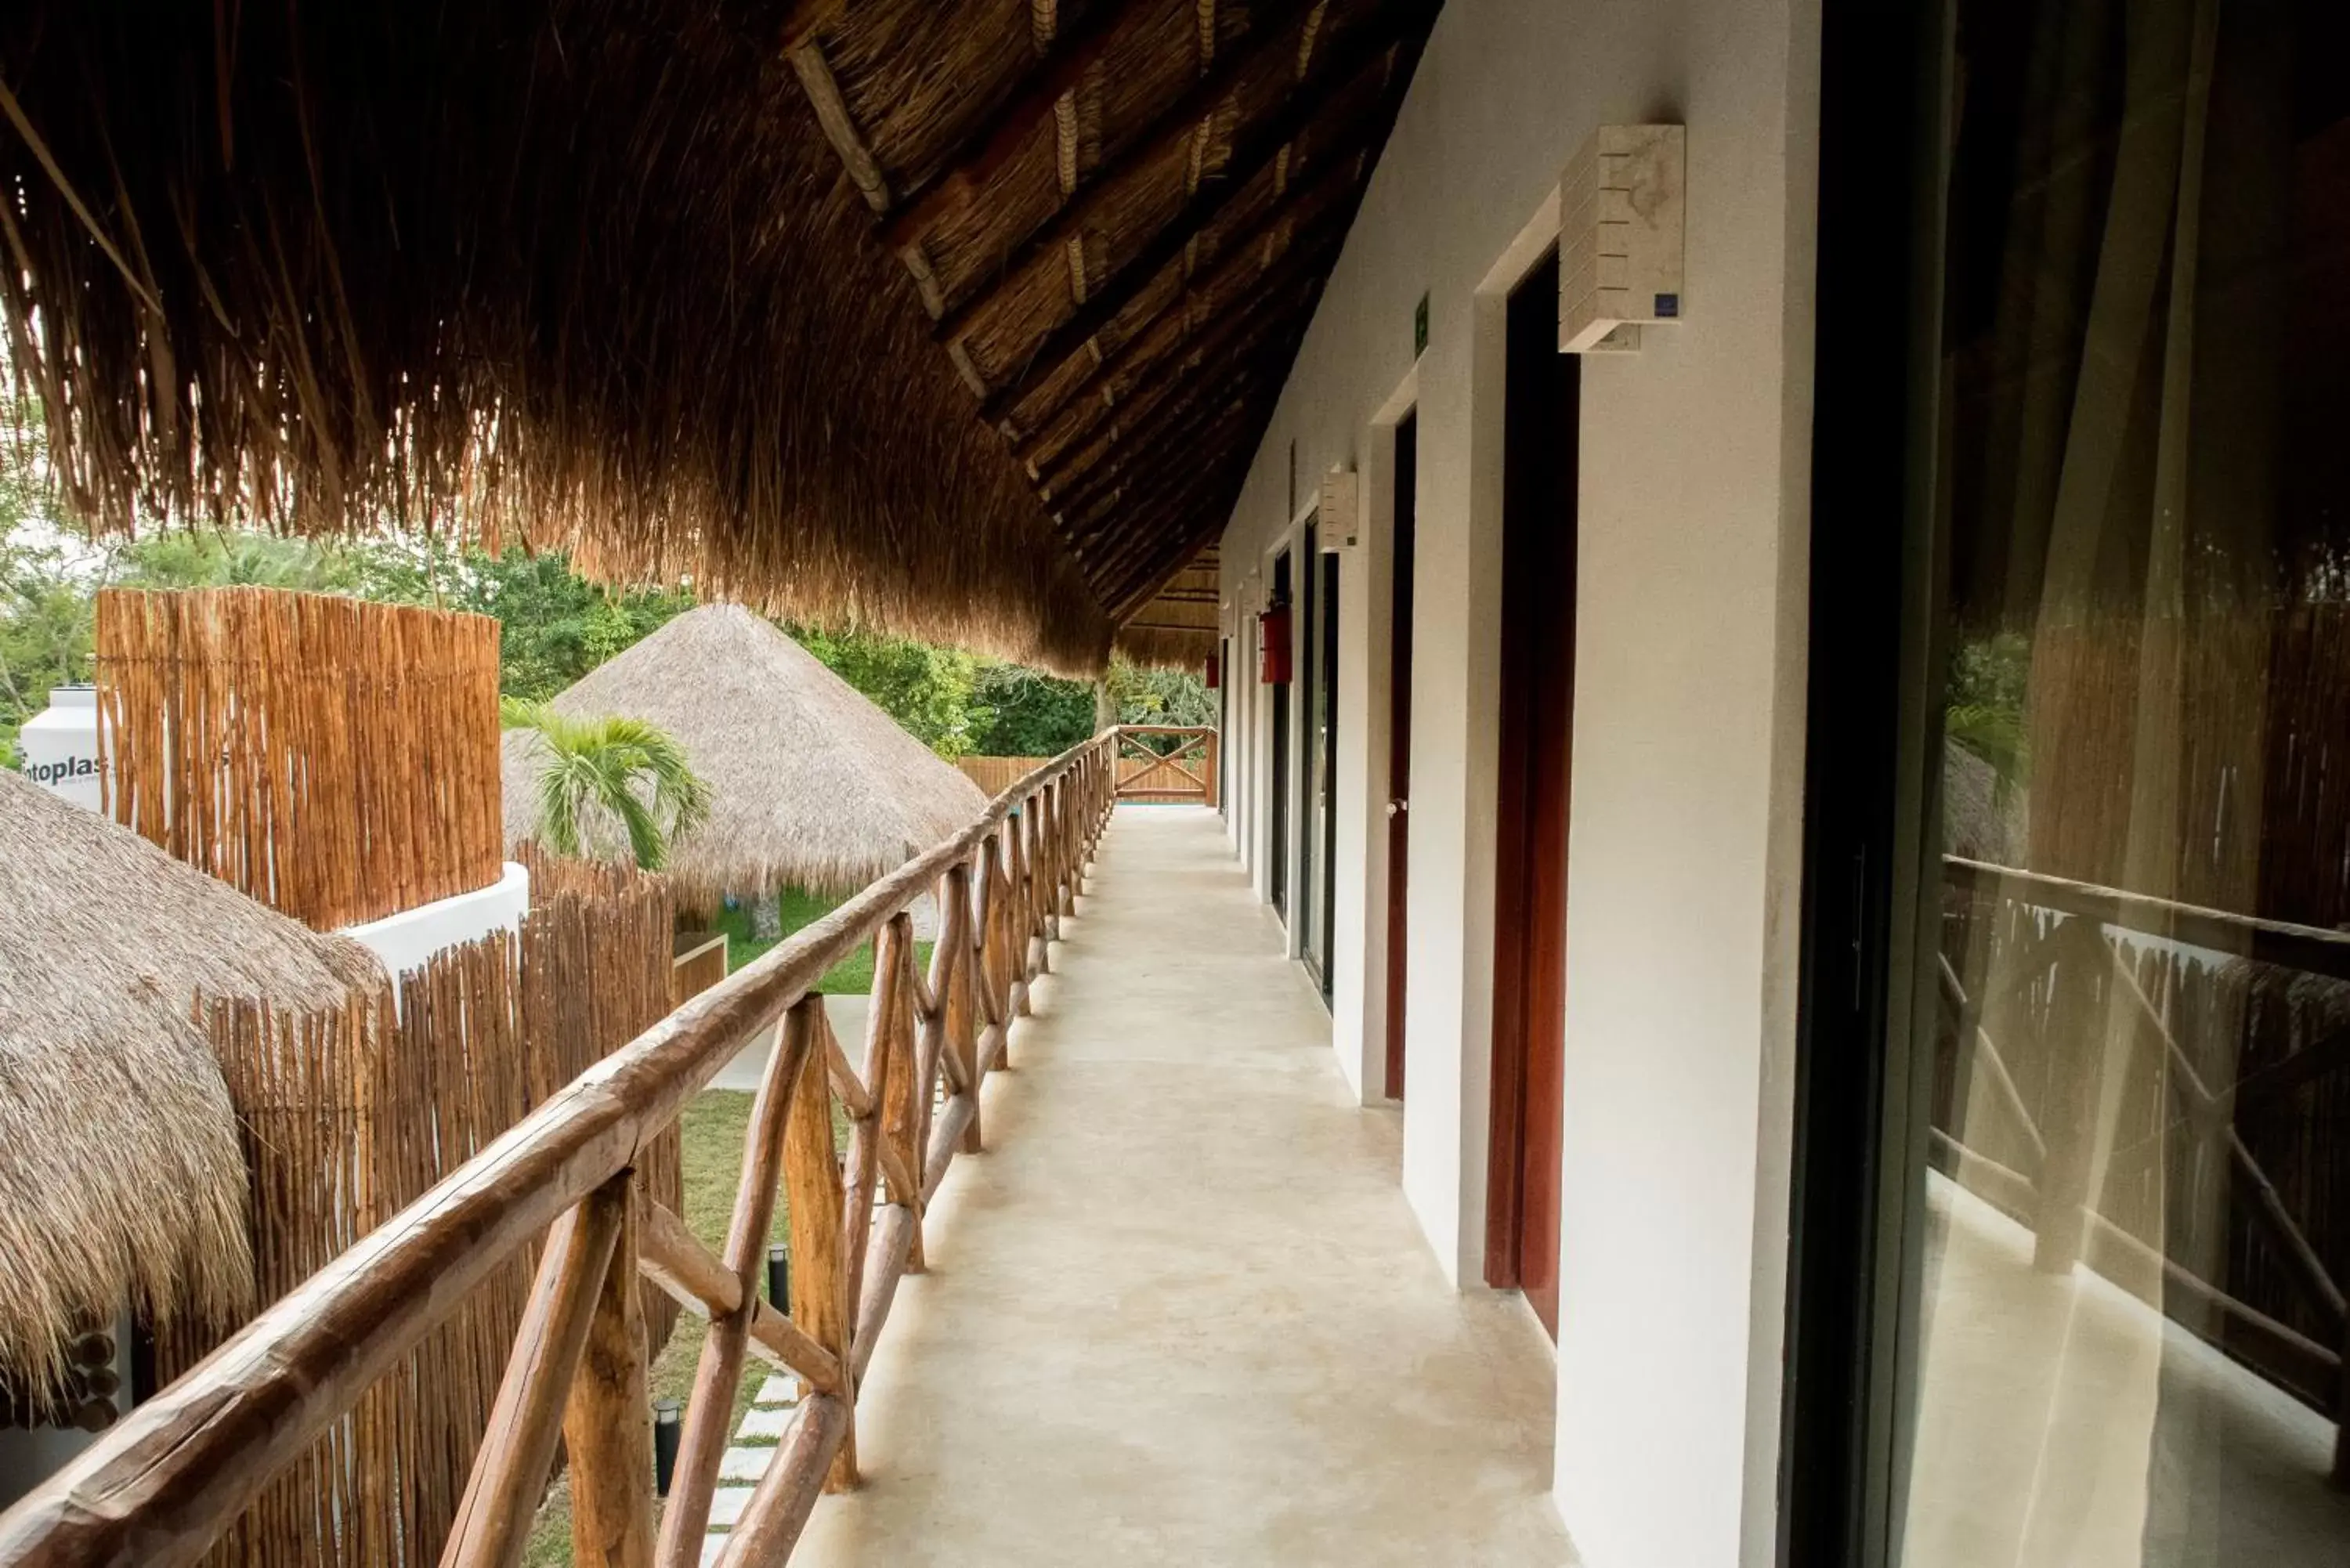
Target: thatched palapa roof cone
(811,785)
(122,1181)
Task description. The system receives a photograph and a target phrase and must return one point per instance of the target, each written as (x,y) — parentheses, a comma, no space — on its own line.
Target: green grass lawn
(713,1128)
(852,976)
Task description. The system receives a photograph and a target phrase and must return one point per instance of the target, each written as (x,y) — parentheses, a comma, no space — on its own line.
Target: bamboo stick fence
(335,758)
(351,1116)
(179,1470)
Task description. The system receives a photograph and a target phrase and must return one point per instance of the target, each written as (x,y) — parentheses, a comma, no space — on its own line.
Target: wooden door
(1538,539)
(1407,516)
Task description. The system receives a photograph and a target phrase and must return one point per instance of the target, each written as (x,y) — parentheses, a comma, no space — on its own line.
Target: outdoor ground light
(779,1277)
(666,1417)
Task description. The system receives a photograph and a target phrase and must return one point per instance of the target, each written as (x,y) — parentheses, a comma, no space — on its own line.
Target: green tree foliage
(1983,715)
(933,692)
(1031,714)
(598,770)
(556,625)
(1153,696)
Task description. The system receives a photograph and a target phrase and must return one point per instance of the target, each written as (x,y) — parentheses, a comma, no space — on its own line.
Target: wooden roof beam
(1180,121)
(1168,453)
(1098,438)
(998,138)
(840,128)
(1209,402)
(1136,601)
(1166,480)
(1152,567)
(1075,508)
(1168,477)
(1365,47)
(1265,359)
(1237,262)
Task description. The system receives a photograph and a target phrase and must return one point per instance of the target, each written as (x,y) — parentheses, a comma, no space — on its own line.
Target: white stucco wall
(405,941)
(1686,827)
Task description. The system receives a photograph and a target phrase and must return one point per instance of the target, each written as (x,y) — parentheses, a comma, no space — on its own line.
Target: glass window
(2128,1225)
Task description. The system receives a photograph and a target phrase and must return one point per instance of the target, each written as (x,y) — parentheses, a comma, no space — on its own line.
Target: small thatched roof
(811,784)
(121,1181)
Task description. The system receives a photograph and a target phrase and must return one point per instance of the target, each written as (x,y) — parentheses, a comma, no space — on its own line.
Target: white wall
(1682,887)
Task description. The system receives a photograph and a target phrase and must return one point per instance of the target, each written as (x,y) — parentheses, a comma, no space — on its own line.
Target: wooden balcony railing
(2074,969)
(176,1471)
(1166,764)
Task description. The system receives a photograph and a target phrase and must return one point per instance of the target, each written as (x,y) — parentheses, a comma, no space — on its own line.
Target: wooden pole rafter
(1256,148)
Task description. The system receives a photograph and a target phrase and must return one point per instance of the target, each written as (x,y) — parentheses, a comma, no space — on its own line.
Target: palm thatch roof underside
(811,785)
(952,319)
(1179,625)
(1119,216)
(123,1182)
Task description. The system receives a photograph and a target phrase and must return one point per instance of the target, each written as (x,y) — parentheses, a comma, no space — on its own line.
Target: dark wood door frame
(1407,518)
(1276,833)
(1537,734)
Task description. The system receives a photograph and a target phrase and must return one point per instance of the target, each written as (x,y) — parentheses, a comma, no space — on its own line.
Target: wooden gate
(1161,765)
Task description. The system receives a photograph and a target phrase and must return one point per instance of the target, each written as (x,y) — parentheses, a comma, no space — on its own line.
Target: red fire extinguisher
(1273,646)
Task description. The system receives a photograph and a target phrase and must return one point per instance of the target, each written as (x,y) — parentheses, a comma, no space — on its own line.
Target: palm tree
(624,767)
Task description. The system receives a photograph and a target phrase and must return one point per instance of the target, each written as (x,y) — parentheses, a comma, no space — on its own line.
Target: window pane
(2131,1201)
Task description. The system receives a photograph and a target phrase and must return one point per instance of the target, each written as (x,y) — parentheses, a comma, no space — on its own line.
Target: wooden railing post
(1048,828)
(819,1301)
(608,1424)
(1038,944)
(959,947)
(884,1063)
(510,1471)
(905,1111)
(710,1412)
(995,953)
(2075,1045)
(1070,821)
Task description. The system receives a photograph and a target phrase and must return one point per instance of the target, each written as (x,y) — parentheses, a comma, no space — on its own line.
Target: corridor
(1178,1313)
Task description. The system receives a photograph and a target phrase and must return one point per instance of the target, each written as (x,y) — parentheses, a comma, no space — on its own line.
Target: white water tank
(60,746)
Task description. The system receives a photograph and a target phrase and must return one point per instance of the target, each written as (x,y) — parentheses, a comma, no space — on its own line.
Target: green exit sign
(1420,328)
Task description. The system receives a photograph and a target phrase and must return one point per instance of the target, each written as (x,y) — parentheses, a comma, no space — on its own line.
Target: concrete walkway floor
(1178,1313)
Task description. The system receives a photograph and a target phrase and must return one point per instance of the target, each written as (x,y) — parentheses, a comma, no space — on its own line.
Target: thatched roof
(962,320)
(121,1181)
(811,784)
(1179,626)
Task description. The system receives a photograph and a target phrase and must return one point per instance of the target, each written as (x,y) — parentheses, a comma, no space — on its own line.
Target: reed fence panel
(597,971)
(351,1116)
(2256,714)
(997,774)
(335,758)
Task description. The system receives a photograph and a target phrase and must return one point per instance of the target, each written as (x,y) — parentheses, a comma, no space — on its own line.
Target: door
(1407,516)
(1322,769)
(1276,835)
(1225,678)
(1308,580)
(1538,536)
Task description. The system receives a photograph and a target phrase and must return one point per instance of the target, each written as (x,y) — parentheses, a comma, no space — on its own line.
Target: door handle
(1397,807)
